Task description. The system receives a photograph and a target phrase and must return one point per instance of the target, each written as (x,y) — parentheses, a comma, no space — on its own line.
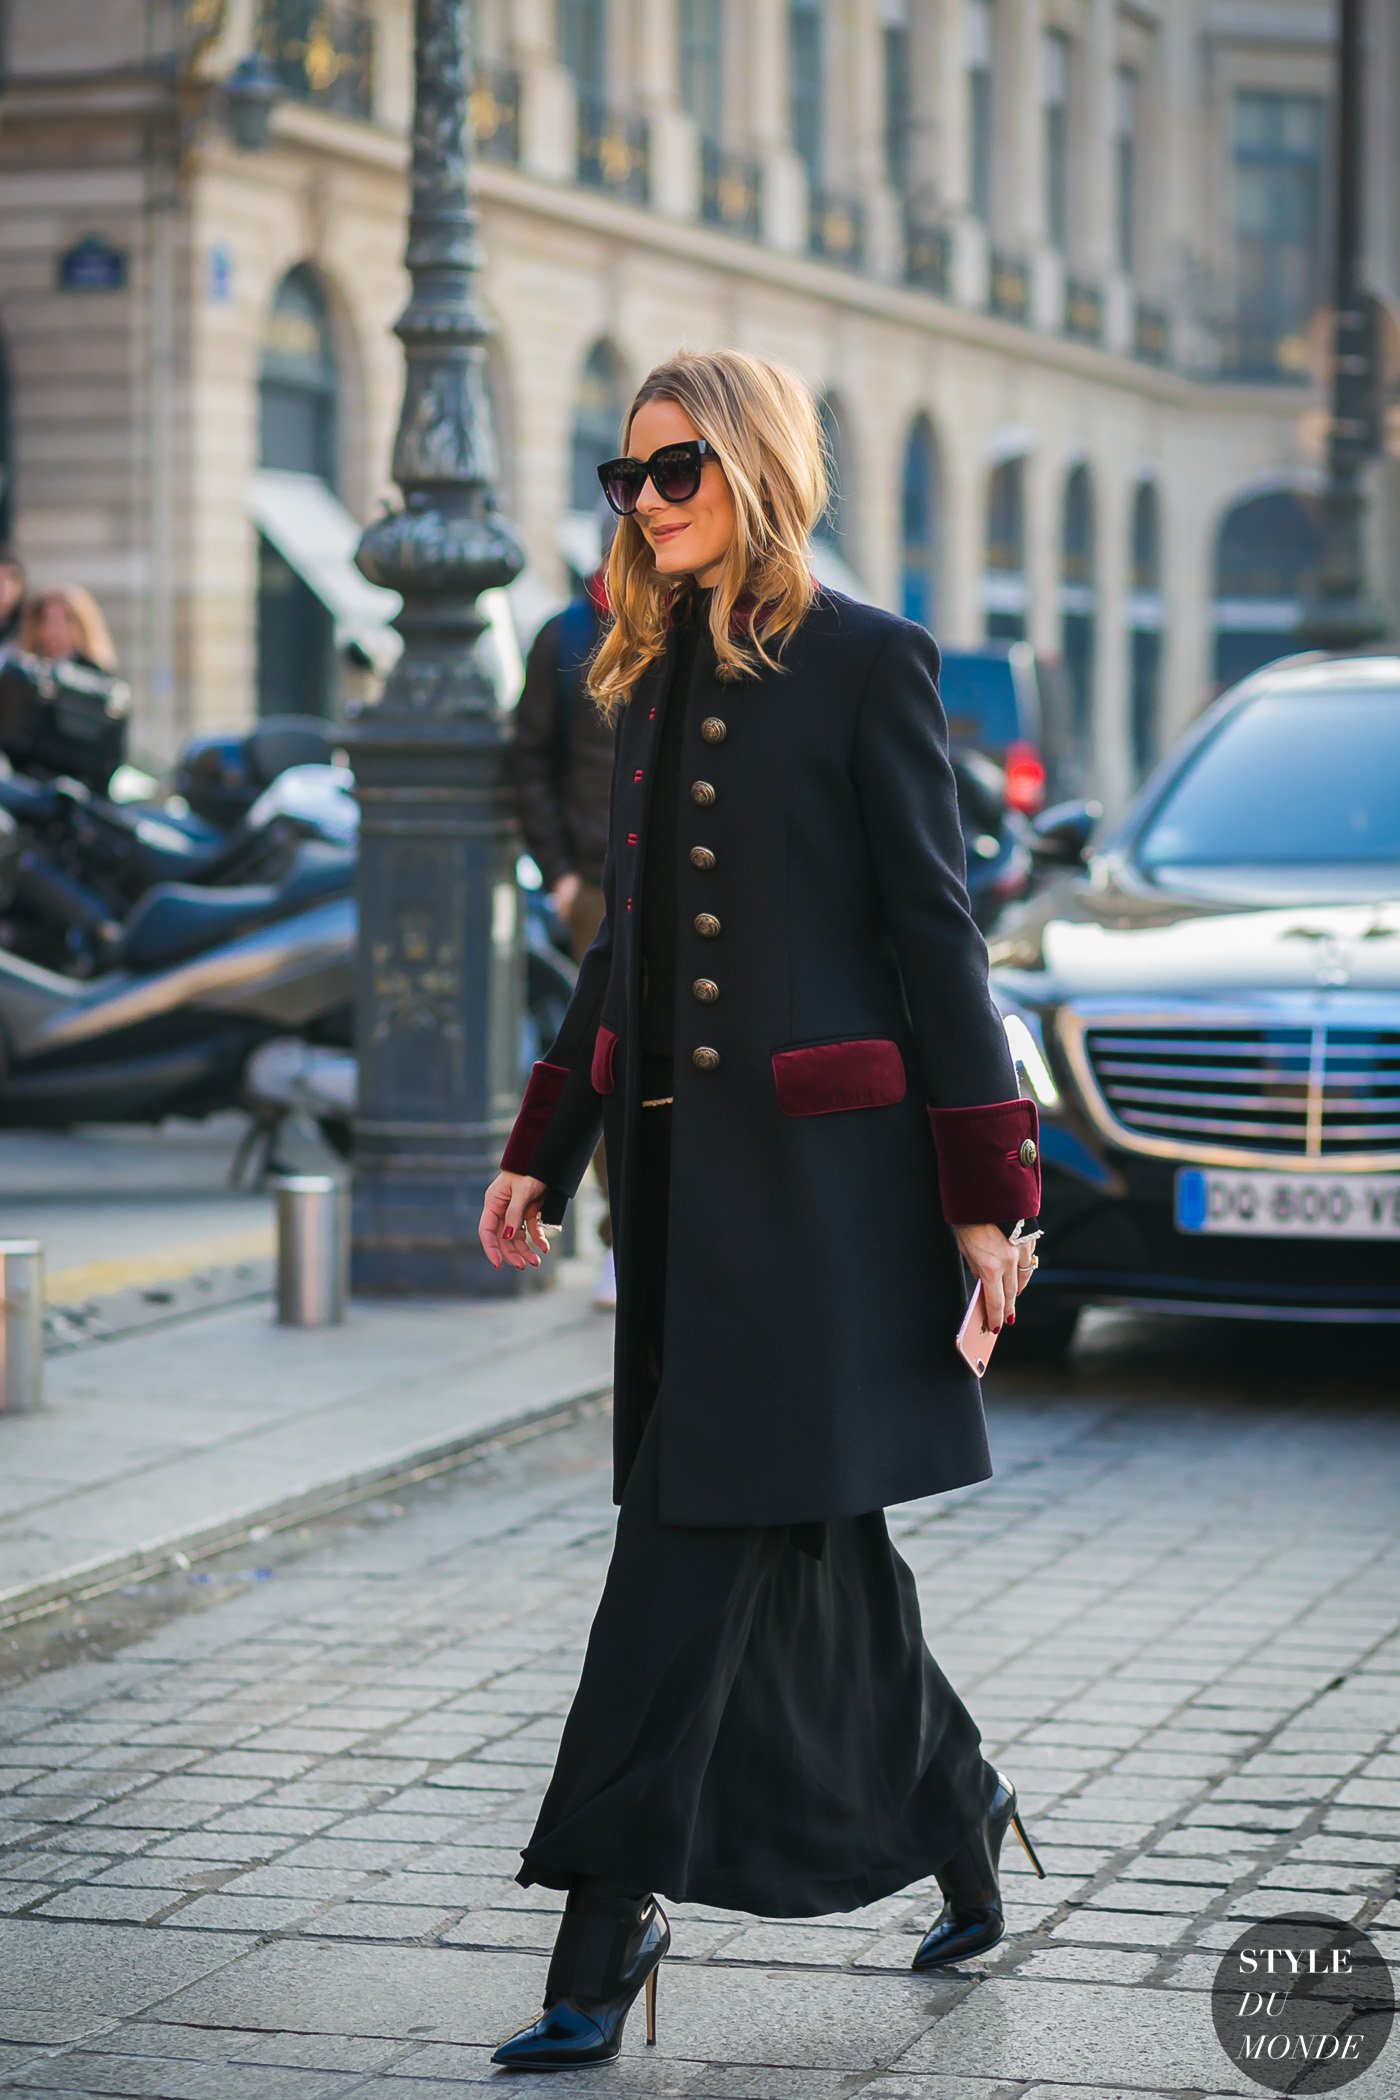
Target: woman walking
(785,1032)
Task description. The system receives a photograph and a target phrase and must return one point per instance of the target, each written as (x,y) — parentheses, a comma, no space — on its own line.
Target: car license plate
(1289,1206)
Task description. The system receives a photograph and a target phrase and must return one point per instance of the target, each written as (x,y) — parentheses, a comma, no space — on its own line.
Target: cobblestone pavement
(266,1853)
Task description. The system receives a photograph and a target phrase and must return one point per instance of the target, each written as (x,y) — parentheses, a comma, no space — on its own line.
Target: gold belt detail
(659,1101)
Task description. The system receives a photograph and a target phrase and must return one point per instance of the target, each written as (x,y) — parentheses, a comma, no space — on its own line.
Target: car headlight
(1027,1047)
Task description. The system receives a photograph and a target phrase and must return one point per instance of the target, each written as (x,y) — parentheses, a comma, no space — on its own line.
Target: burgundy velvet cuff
(541,1099)
(988,1161)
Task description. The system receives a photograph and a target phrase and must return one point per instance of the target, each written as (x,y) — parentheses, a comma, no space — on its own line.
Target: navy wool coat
(843,1089)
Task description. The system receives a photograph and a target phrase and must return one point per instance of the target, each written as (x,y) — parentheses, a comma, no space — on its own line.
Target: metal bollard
(313,1249)
(21,1326)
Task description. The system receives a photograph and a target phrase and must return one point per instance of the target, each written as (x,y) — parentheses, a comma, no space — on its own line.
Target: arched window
(599,407)
(299,380)
(1004,594)
(919,524)
(299,393)
(834,521)
(1079,599)
(1267,550)
(1145,628)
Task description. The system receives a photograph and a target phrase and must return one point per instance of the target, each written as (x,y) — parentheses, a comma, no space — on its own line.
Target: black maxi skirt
(759,1724)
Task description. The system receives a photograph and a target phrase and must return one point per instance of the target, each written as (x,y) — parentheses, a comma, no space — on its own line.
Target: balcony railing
(1083,310)
(1009,291)
(494,107)
(614,149)
(1151,336)
(1265,352)
(322,51)
(731,189)
(927,254)
(836,227)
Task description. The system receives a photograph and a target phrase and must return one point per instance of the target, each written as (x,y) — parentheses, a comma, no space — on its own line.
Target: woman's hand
(1001,1268)
(510,1220)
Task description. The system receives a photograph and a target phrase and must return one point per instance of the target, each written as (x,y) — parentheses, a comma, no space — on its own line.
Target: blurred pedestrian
(561,768)
(786,1029)
(64,624)
(12,584)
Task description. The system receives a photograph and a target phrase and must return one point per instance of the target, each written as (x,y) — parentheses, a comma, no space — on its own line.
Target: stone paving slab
(314,1792)
(161,1443)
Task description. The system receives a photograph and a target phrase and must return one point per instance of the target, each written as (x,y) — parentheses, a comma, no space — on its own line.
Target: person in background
(12,585)
(561,766)
(65,624)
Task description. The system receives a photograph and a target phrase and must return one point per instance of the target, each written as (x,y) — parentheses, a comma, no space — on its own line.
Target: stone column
(784,177)
(856,89)
(549,109)
(675,135)
(944,41)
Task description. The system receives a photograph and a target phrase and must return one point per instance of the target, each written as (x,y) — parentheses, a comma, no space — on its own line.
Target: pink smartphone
(976,1340)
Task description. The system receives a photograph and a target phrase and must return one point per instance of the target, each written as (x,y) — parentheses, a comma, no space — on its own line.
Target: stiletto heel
(972,1919)
(1026,1846)
(609,1949)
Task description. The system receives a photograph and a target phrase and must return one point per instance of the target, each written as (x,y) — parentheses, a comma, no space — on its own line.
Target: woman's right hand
(510,1221)
(998,1267)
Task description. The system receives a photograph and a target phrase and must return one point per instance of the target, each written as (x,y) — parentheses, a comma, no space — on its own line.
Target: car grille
(1321,1092)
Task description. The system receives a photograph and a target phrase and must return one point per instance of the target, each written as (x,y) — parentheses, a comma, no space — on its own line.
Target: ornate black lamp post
(1340,612)
(439,988)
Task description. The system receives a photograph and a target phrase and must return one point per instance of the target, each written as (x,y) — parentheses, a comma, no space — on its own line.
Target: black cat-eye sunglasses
(675,472)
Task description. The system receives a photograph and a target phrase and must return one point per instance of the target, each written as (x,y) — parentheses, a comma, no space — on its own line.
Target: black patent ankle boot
(972,1919)
(609,1948)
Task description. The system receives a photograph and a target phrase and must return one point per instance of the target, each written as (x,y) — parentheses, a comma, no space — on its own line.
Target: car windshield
(1297,779)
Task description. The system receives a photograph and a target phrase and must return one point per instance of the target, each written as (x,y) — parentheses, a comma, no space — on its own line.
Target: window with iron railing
(731,189)
(836,227)
(1278,170)
(323,51)
(494,108)
(614,149)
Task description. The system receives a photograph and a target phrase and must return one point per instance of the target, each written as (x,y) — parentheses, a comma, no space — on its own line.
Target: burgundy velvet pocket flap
(604,1046)
(815,1079)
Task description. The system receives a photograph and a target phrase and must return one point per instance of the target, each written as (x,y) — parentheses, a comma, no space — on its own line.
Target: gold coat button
(702,856)
(1028,1155)
(705,990)
(714,730)
(702,792)
(705,1057)
(707,924)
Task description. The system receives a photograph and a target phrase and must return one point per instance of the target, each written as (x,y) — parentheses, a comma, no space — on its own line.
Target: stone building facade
(1051,264)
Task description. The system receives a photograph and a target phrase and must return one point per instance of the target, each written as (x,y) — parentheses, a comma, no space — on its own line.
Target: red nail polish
(1011,1319)
(509,1233)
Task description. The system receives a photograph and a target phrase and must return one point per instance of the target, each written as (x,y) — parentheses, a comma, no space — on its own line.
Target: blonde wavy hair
(762,420)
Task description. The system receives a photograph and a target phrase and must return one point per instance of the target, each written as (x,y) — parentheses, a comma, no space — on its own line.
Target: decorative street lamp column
(1340,612)
(438,992)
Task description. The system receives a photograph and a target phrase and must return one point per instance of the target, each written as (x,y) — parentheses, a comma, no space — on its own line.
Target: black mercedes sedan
(1205,1004)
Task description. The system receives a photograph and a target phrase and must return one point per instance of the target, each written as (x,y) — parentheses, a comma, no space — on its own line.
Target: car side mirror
(1062,833)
